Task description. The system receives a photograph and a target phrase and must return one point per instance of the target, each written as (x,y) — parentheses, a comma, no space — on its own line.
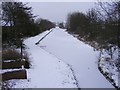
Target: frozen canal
(78,55)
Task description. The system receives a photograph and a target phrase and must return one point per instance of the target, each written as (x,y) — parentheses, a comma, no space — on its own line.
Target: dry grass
(11,54)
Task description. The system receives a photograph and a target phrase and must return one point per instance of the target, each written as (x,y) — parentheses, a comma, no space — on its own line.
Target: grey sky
(58,11)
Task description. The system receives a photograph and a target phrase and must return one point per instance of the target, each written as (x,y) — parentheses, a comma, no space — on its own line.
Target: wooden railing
(43,37)
(18,74)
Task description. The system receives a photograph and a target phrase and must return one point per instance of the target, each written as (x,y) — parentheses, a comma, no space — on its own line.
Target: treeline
(18,22)
(99,26)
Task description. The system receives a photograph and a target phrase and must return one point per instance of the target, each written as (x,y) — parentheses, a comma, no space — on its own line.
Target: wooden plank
(14,64)
(19,74)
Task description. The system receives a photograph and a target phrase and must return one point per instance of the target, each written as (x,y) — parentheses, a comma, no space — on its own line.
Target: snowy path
(47,71)
(80,56)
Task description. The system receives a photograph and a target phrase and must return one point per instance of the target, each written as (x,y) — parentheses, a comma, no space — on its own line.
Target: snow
(8,60)
(8,70)
(61,61)
(108,65)
(81,57)
(46,71)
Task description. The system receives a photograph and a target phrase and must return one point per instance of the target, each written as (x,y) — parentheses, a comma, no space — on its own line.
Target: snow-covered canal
(61,61)
(80,56)
(47,71)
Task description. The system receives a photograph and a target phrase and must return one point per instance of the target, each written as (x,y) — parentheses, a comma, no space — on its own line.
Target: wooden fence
(18,74)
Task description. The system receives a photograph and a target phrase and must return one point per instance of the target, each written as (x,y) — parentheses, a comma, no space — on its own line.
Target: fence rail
(19,74)
(44,37)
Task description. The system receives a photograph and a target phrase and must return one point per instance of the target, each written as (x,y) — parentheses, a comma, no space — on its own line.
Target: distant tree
(100,24)
(77,22)
(61,25)
(95,24)
(45,24)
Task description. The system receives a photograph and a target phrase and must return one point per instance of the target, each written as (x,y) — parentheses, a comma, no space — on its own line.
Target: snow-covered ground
(59,60)
(46,71)
(108,66)
(81,57)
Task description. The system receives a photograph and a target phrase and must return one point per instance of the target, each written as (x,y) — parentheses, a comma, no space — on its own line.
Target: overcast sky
(58,11)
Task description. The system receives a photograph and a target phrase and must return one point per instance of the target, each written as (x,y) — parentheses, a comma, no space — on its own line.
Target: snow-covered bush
(108,66)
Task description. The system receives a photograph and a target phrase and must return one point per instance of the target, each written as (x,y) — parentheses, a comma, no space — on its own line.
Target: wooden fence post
(21,50)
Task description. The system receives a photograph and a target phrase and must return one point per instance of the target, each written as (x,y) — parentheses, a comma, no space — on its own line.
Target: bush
(15,58)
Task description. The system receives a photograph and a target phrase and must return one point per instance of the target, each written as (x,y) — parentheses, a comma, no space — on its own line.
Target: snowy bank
(108,66)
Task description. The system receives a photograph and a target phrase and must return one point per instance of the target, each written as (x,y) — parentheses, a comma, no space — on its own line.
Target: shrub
(10,55)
